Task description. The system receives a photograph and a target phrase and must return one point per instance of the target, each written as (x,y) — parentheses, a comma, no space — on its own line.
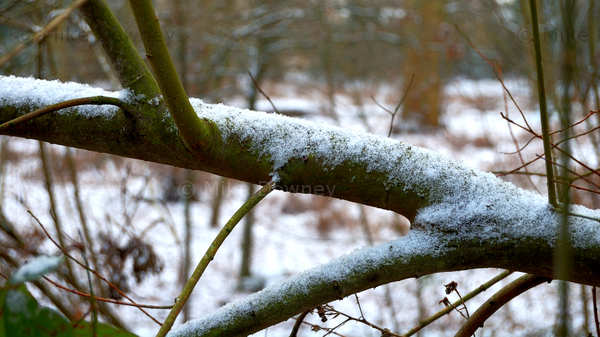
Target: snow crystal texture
(35,93)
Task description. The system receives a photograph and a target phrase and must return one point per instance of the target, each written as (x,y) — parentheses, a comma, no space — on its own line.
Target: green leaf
(84,329)
(22,316)
(3,292)
(35,268)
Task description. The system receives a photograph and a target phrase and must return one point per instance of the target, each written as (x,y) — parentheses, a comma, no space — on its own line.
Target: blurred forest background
(432,65)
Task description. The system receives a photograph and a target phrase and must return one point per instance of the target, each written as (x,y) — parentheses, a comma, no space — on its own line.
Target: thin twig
(596,320)
(503,296)
(298,323)
(462,301)
(497,73)
(362,315)
(40,35)
(537,156)
(398,105)
(467,297)
(92,297)
(316,327)
(360,320)
(110,284)
(257,86)
(94,100)
(542,102)
(584,133)
(49,185)
(571,157)
(210,254)
(516,143)
(555,146)
(332,330)
(574,124)
(406,90)
(82,216)
(102,299)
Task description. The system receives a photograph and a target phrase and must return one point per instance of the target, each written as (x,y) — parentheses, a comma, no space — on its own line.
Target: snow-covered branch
(347,275)
(419,253)
(462,218)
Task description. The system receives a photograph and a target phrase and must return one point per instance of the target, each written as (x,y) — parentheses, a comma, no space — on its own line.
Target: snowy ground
(294,233)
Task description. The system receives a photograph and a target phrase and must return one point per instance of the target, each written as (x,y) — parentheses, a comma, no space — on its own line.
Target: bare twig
(332,311)
(94,100)
(467,297)
(102,299)
(92,297)
(49,185)
(110,284)
(316,327)
(40,35)
(299,322)
(516,143)
(497,72)
(210,254)
(555,146)
(542,102)
(394,112)
(503,296)
(596,320)
(257,86)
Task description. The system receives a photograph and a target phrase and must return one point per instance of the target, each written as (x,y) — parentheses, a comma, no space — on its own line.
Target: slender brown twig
(210,254)
(497,72)
(516,143)
(596,320)
(298,323)
(102,299)
(110,284)
(451,307)
(503,296)
(331,311)
(257,86)
(94,100)
(41,34)
(398,105)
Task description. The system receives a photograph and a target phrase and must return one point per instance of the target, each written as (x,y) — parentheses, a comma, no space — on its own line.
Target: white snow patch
(35,268)
(284,138)
(461,199)
(358,262)
(36,93)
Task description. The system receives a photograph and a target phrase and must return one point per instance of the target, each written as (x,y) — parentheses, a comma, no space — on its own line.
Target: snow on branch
(344,276)
(19,91)
(462,218)
(437,191)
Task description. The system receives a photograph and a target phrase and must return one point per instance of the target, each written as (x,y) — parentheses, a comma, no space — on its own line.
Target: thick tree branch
(196,133)
(130,67)
(414,255)
(462,218)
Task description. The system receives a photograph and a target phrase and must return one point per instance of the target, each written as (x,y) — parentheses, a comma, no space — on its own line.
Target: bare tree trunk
(424,103)
(389,301)
(259,71)
(187,251)
(217,201)
(247,240)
